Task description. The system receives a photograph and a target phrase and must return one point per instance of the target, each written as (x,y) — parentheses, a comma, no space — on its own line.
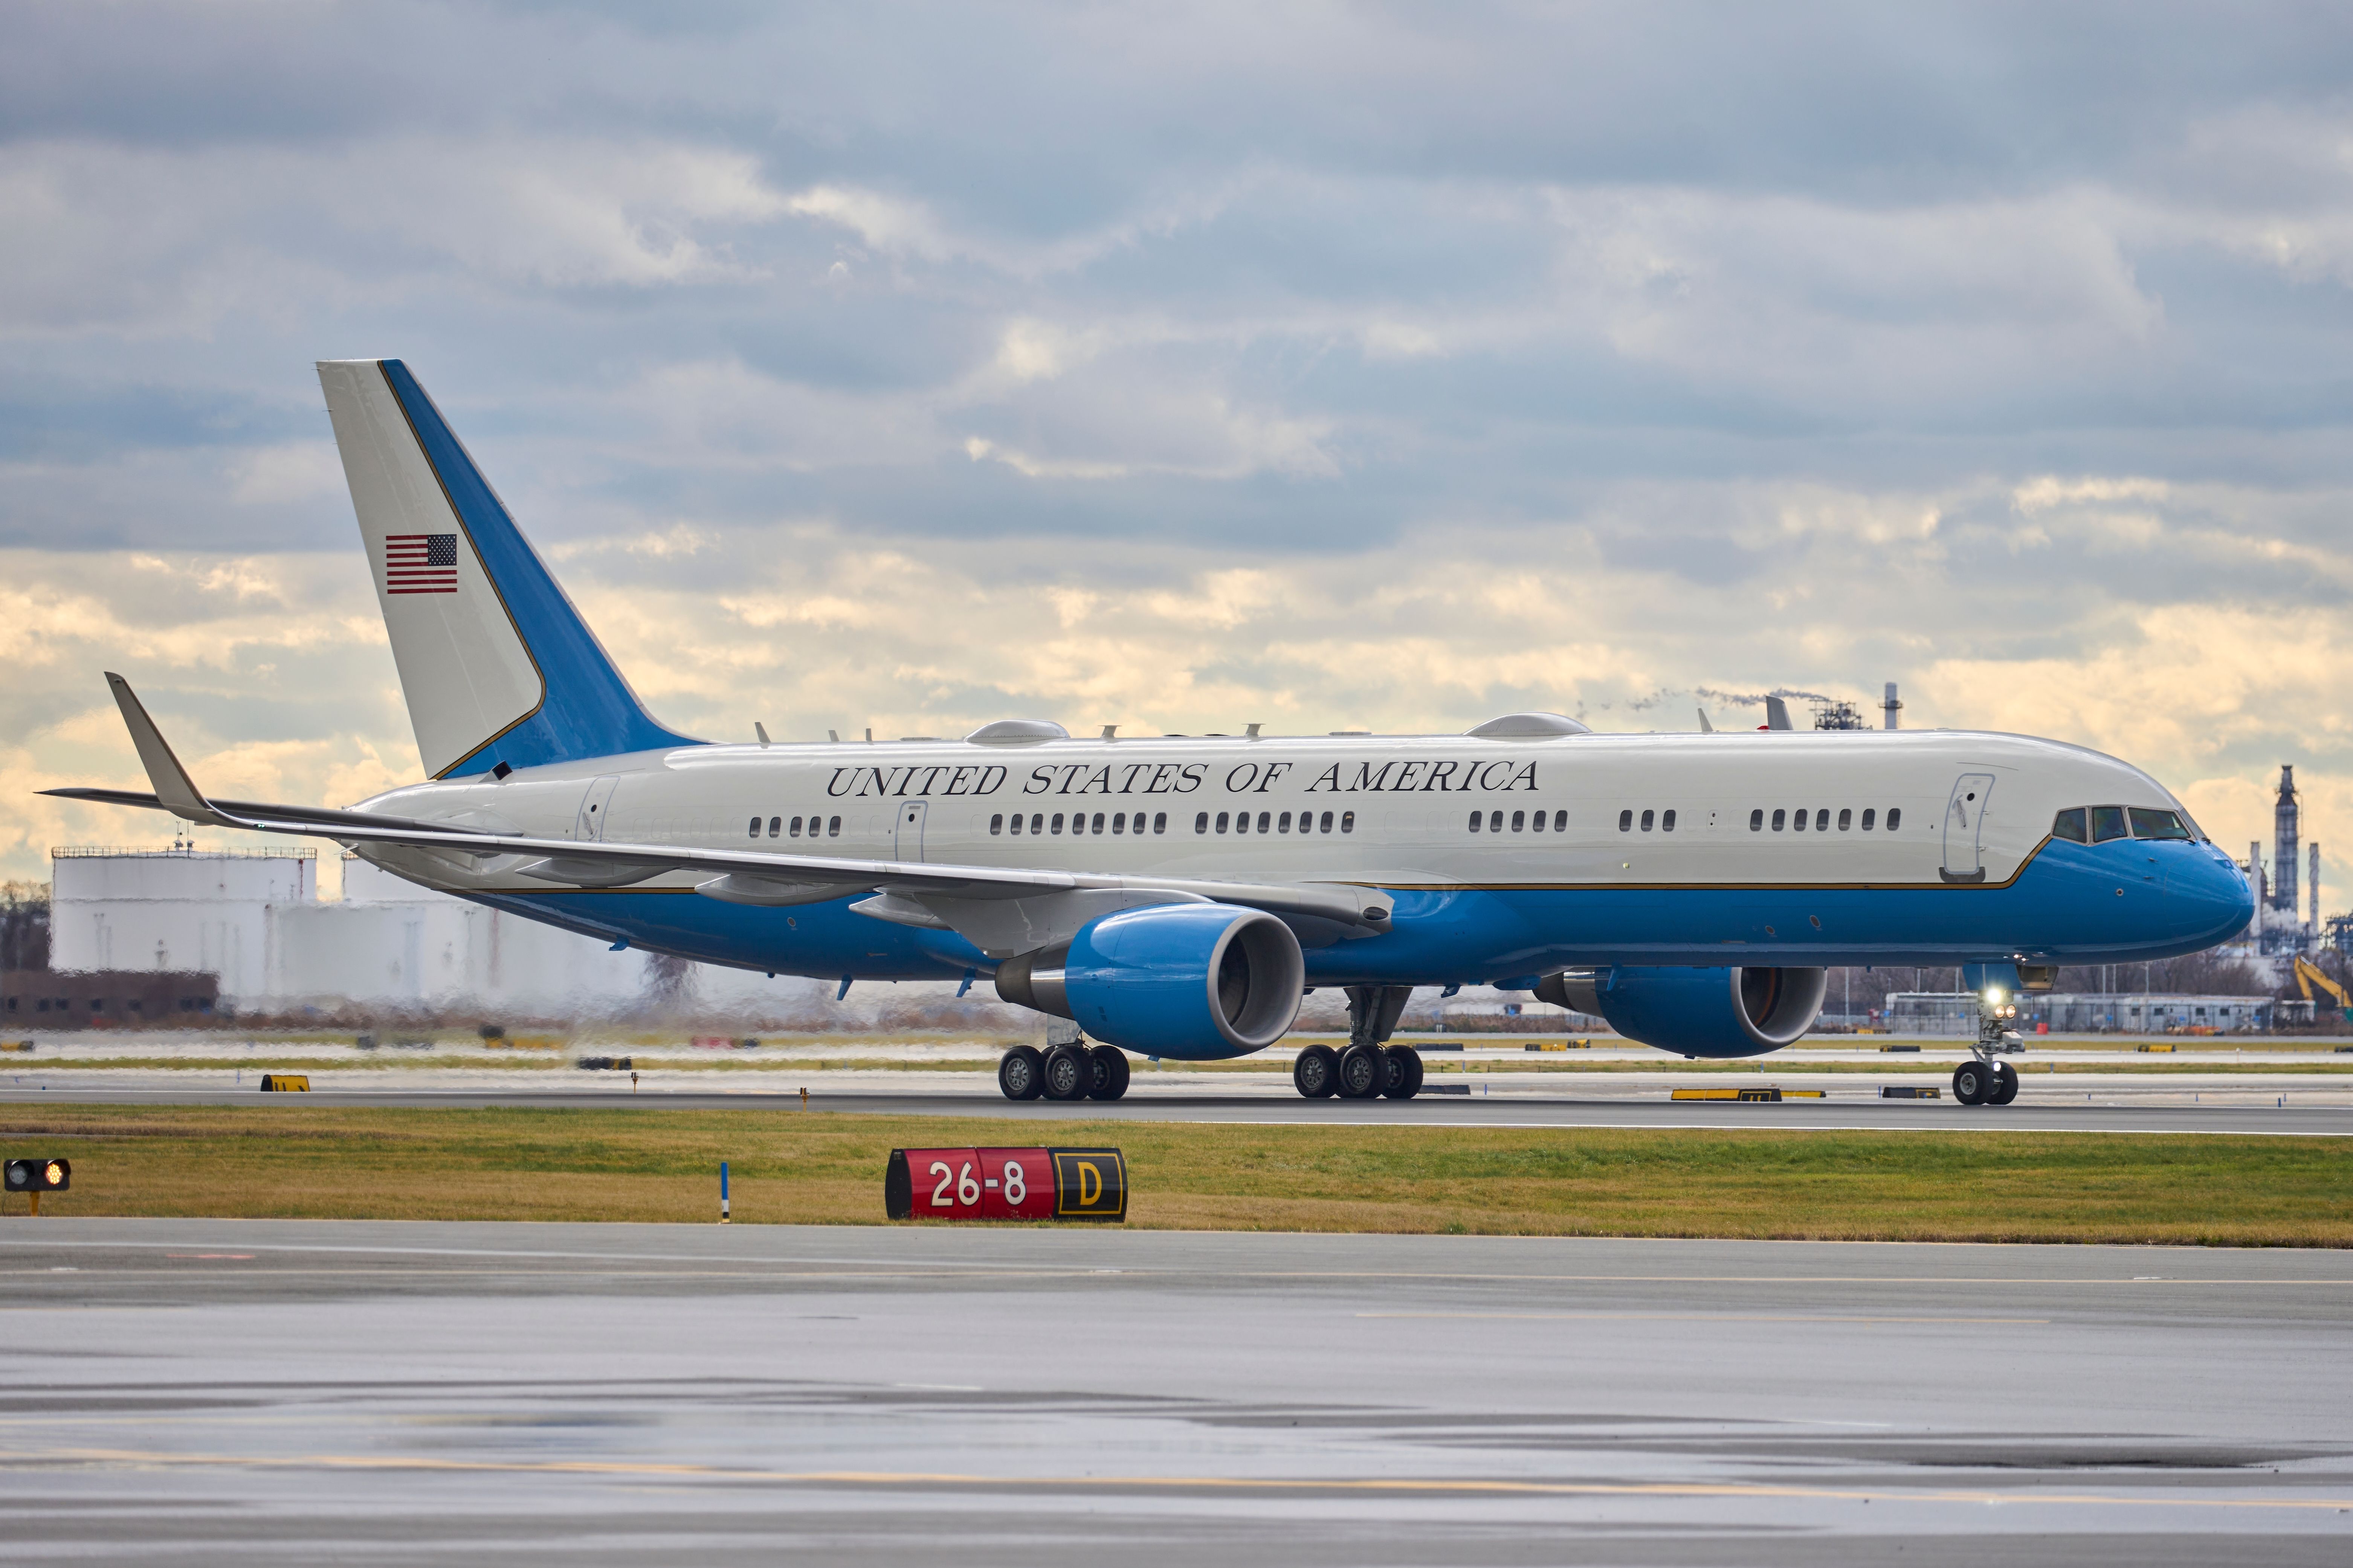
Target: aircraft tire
(1110,1078)
(1402,1080)
(1970,1083)
(1316,1074)
(1067,1073)
(1360,1075)
(1021,1073)
(2005,1084)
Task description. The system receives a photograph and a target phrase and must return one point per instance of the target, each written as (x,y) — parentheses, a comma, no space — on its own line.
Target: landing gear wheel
(1110,1079)
(1972,1081)
(1360,1073)
(1401,1071)
(1021,1073)
(2005,1087)
(1067,1074)
(1316,1072)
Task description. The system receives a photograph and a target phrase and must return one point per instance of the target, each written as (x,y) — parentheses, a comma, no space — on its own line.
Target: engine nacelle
(1195,981)
(1697,1012)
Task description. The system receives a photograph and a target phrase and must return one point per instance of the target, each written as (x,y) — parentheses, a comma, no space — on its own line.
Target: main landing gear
(1983,1080)
(1369,1068)
(1069,1070)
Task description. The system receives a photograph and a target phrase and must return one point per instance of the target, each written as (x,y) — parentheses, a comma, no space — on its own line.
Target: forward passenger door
(1964,827)
(907,835)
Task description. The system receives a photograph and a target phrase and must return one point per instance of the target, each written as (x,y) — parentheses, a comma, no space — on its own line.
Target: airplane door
(1964,827)
(593,807)
(908,837)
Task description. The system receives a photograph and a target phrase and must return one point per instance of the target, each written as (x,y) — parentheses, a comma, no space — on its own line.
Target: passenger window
(1780,816)
(1626,822)
(1016,824)
(1894,817)
(1326,826)
(1667,821)
(1538,822)
(793,829)
(1282,823)
(755,827)
(1823,820)
(1798,819)
(997,825)
(1647,819)
(1119,823)
(1560,822)
(1222,822)
(1519,821)
(1037,823)
(1201,823)
(1478,820)
(1098,824)
(832,826)
(1241,822)
(1159,822)
(1756,820)
(1057,822)
(1263,818)
(1846,819)
(2069,825)
(2148,824)
(1868,813)
(775,825)
(1348,822)
(2108,822)
(1494,822)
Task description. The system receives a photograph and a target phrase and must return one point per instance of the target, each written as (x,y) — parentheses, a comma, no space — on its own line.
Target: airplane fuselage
(1505,858)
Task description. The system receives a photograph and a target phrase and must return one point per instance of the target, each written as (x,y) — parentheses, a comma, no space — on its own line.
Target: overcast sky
(1327,367)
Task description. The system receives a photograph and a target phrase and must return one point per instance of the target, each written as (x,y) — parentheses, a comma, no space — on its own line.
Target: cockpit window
(2148,824)
(2069,825)
(2108,822)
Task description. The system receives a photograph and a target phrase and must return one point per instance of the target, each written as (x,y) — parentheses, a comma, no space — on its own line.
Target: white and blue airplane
(1176,895)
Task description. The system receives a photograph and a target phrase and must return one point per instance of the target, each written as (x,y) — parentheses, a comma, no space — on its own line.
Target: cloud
(1328,367)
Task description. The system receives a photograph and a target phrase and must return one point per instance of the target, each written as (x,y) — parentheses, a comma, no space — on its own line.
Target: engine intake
(1697,1012)
(1195,981)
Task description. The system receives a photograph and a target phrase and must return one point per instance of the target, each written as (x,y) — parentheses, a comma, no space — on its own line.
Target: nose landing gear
(1983,1080)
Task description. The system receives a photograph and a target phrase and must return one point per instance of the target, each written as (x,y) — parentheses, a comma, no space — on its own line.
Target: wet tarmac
(208,1391)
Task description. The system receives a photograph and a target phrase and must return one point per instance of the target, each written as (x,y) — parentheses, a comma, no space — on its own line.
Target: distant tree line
(24,925)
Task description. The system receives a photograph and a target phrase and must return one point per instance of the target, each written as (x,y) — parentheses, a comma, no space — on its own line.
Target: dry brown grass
(812,1167)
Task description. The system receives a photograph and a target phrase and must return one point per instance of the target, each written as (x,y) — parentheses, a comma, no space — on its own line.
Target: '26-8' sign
(1005,1183)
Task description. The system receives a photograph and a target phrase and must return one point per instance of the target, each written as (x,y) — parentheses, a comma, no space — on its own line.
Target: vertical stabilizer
(495,661)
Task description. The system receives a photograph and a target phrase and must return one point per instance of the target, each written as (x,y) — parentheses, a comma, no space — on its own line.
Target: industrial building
(2280,930)
(251,923)
(1954,1012)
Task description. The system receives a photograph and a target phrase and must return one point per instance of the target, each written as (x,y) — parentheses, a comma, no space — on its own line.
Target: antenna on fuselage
(762,731)
(1705,727)
(834,735)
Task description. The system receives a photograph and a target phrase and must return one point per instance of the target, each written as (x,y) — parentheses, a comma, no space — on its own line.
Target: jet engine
(1195,981)
(1697,1012)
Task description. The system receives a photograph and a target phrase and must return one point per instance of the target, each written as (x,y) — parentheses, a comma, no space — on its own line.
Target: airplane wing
(751,877)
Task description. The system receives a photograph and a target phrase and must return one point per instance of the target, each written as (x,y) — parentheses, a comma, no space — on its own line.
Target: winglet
(174,787)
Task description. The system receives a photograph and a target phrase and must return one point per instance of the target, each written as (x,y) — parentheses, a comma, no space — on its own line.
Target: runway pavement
(268,1391)
(2244,1104)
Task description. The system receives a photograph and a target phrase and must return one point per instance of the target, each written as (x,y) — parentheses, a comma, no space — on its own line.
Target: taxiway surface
(2243,1105)
(273,1391)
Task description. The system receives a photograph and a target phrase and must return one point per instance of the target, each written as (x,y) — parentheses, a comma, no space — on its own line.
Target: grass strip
(812,1167)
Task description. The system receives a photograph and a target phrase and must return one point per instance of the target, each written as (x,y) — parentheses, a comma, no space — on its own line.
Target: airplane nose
(2213,900)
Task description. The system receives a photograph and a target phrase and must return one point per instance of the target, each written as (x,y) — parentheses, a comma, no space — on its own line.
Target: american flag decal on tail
(420,564)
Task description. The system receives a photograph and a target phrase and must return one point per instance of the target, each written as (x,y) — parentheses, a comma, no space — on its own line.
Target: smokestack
(2284,832)
(2256,884)
(2311,885)
(1889,709)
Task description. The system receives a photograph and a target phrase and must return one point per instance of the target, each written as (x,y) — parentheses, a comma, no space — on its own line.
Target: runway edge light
(33,1177)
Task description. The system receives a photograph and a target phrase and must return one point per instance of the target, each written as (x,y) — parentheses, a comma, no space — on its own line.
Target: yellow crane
(2309,975)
